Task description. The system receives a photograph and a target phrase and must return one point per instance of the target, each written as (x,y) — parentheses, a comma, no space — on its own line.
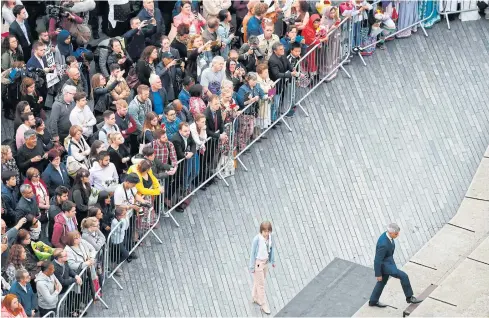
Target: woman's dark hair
(101,198)
(53,154)
(93,150)
(229,74)
(304,6)
(222,15)
(21,235)
(80,174)
(184,2)
(183,29)
(19,109)
(147,52)
(39,122)
(6,42)
(111,43)
(30,221)
(196,90)
(92,211)
(144,165)
(14,255)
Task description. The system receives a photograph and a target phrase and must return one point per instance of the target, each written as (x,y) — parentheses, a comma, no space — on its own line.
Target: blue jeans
(192,167)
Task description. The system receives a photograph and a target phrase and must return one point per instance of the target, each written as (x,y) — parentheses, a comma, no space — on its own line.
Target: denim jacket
(254,252)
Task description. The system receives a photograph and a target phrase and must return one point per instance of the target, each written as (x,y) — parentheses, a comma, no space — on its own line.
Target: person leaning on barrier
(65,275)
(92,234)
(119,252)
(159,169)
(48,288)
(126,195)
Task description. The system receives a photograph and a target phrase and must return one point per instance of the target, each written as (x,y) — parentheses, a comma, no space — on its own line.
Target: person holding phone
(154,19)
(135,38)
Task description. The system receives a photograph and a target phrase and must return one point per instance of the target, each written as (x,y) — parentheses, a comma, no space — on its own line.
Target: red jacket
(60,230)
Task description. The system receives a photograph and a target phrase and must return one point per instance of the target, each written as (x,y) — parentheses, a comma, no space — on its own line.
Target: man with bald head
(74,79)
(59,120)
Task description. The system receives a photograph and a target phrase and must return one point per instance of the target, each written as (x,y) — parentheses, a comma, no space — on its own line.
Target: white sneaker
(265,309)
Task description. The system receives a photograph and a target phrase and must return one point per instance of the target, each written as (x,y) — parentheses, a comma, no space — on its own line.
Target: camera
(143,205)
(178,62)
(257,53)
(58,12)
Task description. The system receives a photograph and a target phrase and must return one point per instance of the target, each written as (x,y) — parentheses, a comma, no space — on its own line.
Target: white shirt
(125,197)
(263,248)
(84,118)
(24,30)
(389,237)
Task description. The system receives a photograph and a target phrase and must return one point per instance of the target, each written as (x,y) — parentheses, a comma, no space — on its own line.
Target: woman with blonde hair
(8,162)
(262,253)
(264,118)
(91,233)
(119,154)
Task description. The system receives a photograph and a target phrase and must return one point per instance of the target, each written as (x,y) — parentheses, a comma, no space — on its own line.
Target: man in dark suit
(384,266)
(38,60)
(21,30)
(279,67)
(185,148)
(215,130)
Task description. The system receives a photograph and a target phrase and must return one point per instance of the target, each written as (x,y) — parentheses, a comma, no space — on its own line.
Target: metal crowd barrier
(446,13)
(78,298)
(50,314)
(419,22)
(322,62)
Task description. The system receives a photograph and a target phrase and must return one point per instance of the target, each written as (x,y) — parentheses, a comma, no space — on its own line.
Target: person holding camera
(155,20)
(135,38)
(171,72)
(250,54)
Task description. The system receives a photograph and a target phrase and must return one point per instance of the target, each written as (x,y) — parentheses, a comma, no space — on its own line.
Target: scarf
(64,49)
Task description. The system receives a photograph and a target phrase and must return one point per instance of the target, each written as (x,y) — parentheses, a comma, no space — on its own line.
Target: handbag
(72,166)
(143,145)
(93,199)
(132,79)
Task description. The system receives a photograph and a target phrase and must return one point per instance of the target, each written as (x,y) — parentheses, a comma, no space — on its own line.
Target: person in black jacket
(101,95)
(214,123)
(146,64)
(81,194)
(117,55)
(104,204)
(60,196)
(31,154)
(136,37)
(10,196)
(62,271)
(185,148)
(27,203)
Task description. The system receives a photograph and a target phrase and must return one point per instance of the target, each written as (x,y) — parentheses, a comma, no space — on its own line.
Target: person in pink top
(194,20)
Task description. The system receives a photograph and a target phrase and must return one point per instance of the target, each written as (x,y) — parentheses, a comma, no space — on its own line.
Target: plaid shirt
(161,152)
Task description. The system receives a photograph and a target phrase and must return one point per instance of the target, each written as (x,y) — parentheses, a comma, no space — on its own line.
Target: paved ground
(400,141)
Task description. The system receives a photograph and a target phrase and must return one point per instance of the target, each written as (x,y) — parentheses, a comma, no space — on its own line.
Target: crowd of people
(103,126)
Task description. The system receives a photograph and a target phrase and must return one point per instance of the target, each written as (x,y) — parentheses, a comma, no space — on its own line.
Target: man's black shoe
(377,304)
(179,209)
(95,35)
(413,300)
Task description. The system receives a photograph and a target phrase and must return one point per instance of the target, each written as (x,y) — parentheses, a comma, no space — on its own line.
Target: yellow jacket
(155,190)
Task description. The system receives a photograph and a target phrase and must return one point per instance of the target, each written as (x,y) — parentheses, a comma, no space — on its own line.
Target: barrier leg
(101,300)
(168,214)
(288,127)
(157,237)
(448,21)
(223,179)
(241,162)
(424,30)
(117,282)
(344,70)
(305,112)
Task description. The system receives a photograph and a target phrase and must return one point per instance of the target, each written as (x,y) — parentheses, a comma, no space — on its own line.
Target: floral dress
(229,112)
